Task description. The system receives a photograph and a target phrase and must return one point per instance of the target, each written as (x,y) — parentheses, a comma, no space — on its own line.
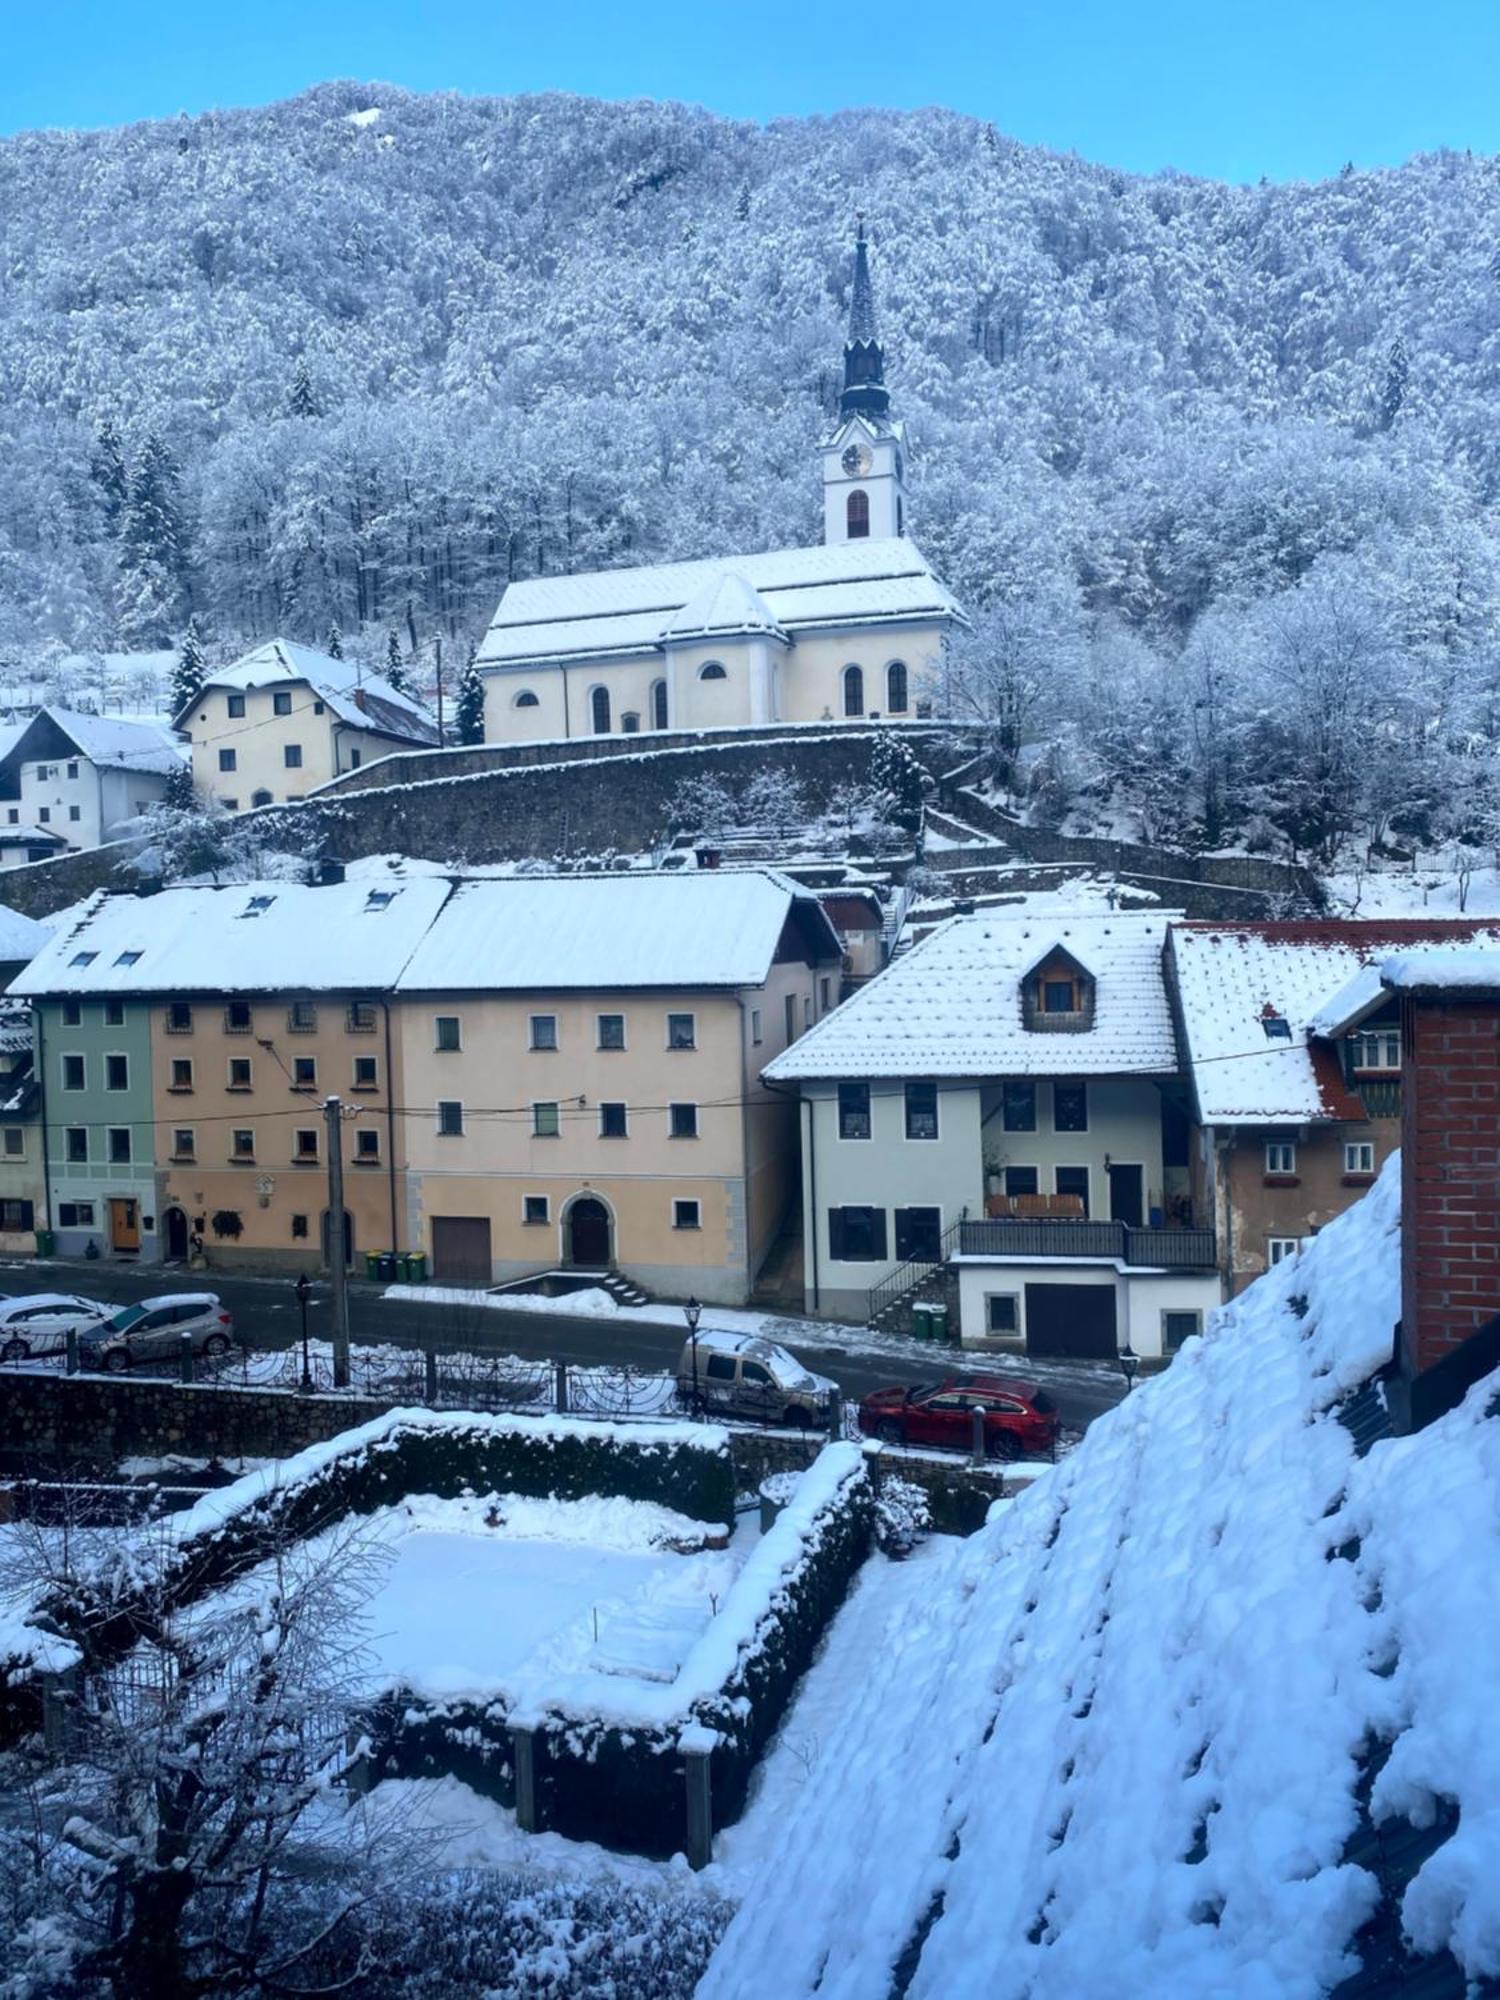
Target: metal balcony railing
(1173,1249)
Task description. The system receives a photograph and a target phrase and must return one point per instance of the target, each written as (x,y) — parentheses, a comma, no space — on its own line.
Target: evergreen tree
(1393,393)
(152,559)
(110,473)
(469,713)
(335,647)
(301,401)
(179,795)
(894,771)
(191,669)
(395,666)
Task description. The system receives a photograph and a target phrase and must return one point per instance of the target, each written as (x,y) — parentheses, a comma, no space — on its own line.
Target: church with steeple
(852,629)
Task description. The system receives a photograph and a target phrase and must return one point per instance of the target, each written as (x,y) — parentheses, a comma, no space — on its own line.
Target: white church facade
(852,629)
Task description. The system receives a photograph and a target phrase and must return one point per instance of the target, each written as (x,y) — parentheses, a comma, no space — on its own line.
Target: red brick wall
(1450,1140)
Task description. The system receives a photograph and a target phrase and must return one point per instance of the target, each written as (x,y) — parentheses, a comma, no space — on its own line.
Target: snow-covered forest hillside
(1214,469)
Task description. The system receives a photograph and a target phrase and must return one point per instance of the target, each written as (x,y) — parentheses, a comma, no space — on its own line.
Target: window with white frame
(1375,1049)
(545,1121)
(1279,1248)
(1002,1313)
(686,1215)
(544,1031)
(1281,1158)
(1359,1157)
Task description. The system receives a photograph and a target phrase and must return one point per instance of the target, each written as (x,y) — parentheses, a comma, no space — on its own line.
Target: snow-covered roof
(711,928)
(1138,1736)
(726,606)
(952,1006)
(21,937)
(618,611)
(355,695)
(112,744)
(251,937)
(1232,979)
(1475,970)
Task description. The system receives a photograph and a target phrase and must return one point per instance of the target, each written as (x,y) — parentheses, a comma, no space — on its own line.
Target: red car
(1019,1421)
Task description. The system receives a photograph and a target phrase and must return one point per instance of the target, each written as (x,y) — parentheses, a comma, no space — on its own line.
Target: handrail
(1049,1237)
(906,1277)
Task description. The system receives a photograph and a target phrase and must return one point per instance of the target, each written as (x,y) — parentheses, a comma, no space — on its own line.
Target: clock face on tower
(857,460)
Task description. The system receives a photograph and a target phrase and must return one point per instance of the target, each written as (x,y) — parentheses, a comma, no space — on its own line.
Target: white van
(745,1375)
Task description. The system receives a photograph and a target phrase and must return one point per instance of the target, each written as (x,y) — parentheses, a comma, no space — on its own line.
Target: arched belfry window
(857,513)
(895,688)
(658,704)
(854,691)
(599,710)
(711,670)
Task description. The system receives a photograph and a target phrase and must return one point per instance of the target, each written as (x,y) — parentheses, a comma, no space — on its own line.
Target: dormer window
(1058,995)
(1375,1051)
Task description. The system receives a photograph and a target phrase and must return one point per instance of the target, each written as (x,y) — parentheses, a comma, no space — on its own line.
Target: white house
(1000,1115)
(286,718)
(849,629)
(71,780)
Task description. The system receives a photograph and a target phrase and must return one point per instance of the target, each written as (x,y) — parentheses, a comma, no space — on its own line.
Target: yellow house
(581,1057)
(286,719)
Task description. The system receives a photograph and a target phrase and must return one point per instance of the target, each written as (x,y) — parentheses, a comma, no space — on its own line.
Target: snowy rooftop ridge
(363,699)
(111,743)
(952,1005)
(1476,970)
(1143,1695)
(1317,977)
(637,610)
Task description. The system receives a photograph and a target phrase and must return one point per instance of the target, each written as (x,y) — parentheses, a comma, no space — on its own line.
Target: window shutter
(836,1233)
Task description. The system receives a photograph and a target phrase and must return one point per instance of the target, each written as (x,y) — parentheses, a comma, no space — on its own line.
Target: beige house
(582,1056)
(854,628)
(286,719)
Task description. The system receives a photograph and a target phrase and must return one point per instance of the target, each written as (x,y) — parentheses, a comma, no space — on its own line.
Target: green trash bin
(372,1267)
(46,1243)
(416,1266)
(937,1317)
(921,1321)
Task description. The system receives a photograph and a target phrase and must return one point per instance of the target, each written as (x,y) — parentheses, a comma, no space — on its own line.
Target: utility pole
(438,645)
(338,1270)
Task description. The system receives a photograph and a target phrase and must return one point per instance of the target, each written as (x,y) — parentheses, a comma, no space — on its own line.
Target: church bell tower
(864,455)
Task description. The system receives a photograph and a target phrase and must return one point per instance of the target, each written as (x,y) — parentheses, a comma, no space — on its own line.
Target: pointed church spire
(864,364)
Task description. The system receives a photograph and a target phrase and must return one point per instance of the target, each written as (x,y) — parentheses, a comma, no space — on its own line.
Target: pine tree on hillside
(190,670)
(302,402)
(1393,393)
(109,472)
(395,666)
(153,555)
(469,716)
(335,646)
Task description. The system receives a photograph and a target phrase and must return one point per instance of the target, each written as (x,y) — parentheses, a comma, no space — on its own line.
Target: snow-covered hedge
(616,1772)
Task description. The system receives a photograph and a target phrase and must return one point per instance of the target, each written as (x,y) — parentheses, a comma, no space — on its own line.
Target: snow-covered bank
(1113,1747)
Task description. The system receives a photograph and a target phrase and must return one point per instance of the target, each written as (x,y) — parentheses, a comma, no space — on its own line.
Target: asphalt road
(266,1317)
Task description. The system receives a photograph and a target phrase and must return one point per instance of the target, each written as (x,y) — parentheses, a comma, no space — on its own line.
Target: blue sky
(1215,87)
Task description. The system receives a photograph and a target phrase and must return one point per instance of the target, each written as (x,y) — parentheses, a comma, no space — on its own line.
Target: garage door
(1071,1319)
(461,1250)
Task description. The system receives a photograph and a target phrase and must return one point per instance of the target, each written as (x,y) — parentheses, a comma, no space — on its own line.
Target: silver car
(745,1375)
(40,1323)
(153,1330)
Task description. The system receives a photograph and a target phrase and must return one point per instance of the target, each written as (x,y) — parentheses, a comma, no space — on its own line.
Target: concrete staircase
(624,1291)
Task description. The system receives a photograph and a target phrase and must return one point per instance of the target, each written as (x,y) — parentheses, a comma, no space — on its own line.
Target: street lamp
(1129,1361)
(692,1312)
(304,1292)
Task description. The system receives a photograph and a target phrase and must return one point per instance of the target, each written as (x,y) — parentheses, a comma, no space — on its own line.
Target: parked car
(744,1375)
(1019,1421)
(153,1330)
(40,1323)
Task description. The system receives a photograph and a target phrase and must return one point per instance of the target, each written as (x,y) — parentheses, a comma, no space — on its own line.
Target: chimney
(1450,1178)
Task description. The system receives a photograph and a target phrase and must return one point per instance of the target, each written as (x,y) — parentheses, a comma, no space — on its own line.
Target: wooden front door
(588,1233)
(1127,1195)
(124,1223)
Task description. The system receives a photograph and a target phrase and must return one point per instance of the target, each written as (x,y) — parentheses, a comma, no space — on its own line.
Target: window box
(1281,1180)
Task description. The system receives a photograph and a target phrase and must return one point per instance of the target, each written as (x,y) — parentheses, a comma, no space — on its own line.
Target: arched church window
(854,690)
(857,513)
(630,722)
(526,699)
(599,710)
(658,704)
(895,688)
(711,670)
